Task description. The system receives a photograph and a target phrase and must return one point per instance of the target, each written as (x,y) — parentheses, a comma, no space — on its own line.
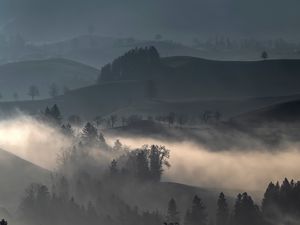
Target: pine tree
(89,133)
(113,167)
(173,214)
(222,211)
(197,214)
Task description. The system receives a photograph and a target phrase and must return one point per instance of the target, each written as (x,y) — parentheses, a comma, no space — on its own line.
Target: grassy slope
(17,77)
(189,85)
(16,174)
(193,77)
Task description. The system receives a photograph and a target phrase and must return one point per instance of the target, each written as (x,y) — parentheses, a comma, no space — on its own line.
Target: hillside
(192,77)
(287,112)
(15,175)
(184,85)
(17,77)
(97,50)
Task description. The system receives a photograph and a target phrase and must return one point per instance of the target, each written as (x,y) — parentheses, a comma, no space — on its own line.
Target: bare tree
(113,119)
(264,55)
(33,91)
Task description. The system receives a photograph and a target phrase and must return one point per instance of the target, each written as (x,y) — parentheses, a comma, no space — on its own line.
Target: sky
(44,19)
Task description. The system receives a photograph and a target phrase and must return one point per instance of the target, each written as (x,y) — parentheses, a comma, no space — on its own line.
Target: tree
(264,55)
(113,119)
(171,118)
(197,215)
(53,90)
(89,133)
(117,145)
(173,214)
(159,156)
(222,216)
(55,112)
(33,91)
(246,212)
(113,167)
(3,222)
(53,115)
(142,164)
(67,130)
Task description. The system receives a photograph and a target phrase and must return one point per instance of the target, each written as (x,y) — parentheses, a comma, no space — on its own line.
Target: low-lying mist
(32,140)
(191,163)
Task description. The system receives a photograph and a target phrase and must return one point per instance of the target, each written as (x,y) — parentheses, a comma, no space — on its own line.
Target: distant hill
(17,77)
(15,175)
(184,85)
(97,51)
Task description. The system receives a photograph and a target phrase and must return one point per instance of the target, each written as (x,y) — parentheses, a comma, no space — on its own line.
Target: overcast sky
(50,19)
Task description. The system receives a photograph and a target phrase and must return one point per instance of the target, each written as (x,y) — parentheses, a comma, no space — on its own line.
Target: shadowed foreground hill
(15,175)
(17,77)
(126,98)
(288,112)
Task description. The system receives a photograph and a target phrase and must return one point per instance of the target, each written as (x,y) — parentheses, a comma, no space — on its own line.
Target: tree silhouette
(33,91)
(246,212)
(222,215)
(159,156)
(173,214)
(264,55)
(197,215)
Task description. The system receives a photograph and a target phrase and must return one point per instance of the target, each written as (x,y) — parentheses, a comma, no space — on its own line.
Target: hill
(192,77)
(16,174)
(98,50)
(287,112)
(184,85)
(189,77)
(17,77)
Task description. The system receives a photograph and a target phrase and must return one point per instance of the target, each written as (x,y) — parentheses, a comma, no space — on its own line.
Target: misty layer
(32,140)
(191,163)
(250,171)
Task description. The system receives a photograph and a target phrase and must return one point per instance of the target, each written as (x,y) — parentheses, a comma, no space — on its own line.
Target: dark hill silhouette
(287,112)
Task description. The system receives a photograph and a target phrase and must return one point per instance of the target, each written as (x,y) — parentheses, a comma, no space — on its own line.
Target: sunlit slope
(17,77)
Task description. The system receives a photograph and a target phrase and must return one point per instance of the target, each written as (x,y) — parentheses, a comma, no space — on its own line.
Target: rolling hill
(16,174)
(17,77)
(184,85)
(191,77)
(286,112)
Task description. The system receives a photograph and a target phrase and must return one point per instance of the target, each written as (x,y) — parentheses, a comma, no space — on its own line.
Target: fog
(191,163)
(40,19)
(32,140)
